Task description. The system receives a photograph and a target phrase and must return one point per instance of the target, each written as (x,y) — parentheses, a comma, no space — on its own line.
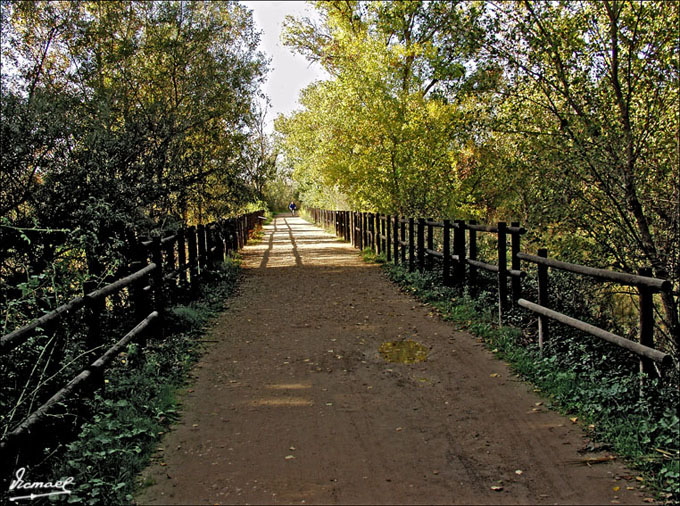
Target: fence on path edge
(409,241)
(160,270)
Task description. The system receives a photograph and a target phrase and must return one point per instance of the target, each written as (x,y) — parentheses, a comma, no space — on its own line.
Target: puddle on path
(403,352)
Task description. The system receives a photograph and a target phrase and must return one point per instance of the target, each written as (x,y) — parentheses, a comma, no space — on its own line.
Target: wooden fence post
(516,281)
(360,231)
(394,240)
(402,223)
(343,225)
(472,281)
(193,258)
(93,316)
(227,238)
(232,242)
(502,270)
(239,233)
(350,227)
(367,231)
(446,264)
(646,323)
(182,256)
(430,246)
(200,238)
(218,255)
(353,228)
(374,232)
(158,288)
(209,245)
(388,237)
(421,244)
(543,333)
(140,297)
(220,241)
(170,266)
(238,230)
(411,245)
(377,232)
(459,252)
(369,235)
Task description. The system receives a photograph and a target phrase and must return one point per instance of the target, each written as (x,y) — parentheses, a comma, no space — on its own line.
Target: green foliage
(380,134)
(590,122)
(370,256)
(117,119)
(562,115)
(279,192)
(580,375)
(124,111)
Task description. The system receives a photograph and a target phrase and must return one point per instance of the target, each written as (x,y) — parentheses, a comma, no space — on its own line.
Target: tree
(385,129)
(120,115)
(258,159)
(592,88)
(160,97)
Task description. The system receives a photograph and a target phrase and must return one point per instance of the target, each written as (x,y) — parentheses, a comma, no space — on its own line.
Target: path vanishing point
(293,403)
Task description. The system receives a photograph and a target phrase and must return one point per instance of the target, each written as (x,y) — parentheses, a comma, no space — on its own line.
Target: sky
(289,72)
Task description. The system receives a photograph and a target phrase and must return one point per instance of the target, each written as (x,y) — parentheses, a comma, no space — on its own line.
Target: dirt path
(294,404)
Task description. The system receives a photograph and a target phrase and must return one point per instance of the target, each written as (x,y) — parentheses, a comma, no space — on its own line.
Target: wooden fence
(161,269)
(409,241)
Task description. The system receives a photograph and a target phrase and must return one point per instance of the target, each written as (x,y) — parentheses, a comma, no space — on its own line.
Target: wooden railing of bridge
(409,241)
(161,268)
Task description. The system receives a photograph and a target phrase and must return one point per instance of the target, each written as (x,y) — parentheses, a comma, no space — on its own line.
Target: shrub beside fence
(160,270)
(410,242)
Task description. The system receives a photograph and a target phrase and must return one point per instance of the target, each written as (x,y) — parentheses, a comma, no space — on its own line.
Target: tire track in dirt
(293,404)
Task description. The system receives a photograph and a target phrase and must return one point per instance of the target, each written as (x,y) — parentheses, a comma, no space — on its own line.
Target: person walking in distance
(292,208)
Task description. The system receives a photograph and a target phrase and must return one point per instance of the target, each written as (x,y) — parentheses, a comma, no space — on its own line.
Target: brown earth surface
(293,403)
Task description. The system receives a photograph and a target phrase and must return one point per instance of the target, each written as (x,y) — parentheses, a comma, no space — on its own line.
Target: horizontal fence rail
(161,269)
(24,428)
(409,241)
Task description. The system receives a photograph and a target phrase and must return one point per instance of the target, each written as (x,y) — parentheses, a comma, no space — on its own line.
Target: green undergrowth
(595,383)
(139,400)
